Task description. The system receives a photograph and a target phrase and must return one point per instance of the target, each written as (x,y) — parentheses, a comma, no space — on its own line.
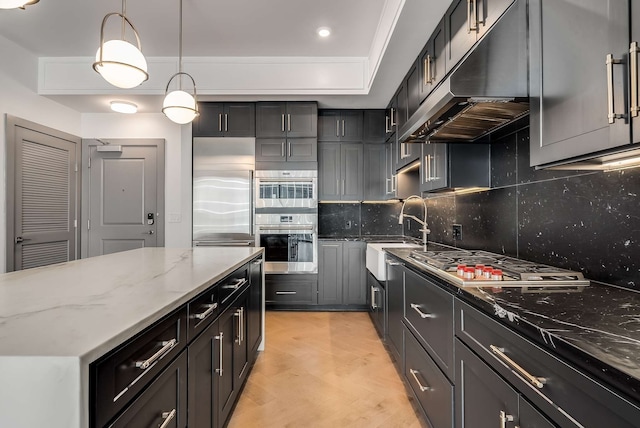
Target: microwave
(286,189)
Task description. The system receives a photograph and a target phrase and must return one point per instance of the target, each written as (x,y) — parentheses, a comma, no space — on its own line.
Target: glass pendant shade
(180,107)
(14,4)
(122,65)
(119,62)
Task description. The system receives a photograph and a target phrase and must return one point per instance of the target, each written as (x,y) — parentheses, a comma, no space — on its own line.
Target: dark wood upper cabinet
(286,119)
(374,130)
(340,125)
(225,120)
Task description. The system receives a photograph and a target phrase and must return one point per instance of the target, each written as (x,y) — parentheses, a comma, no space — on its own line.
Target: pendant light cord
(180,51)
(124,13)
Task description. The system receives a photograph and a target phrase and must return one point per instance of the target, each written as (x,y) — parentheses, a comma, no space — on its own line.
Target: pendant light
(118,61)
(180,106)
(14,4)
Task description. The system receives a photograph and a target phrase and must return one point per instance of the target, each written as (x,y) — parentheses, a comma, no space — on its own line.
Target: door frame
(11,124)
(87,143)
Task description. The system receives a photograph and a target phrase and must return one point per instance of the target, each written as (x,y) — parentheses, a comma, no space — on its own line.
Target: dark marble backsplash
(581,220)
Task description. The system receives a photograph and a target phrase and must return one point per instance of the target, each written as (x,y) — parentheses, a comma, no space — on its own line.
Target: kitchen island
(57,320)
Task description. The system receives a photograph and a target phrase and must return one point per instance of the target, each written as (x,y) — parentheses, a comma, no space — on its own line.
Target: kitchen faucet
(424,229)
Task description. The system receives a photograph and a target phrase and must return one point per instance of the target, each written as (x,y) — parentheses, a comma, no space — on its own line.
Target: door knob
(151,232)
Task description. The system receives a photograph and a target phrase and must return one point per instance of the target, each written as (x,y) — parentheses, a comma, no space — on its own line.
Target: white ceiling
(232,28)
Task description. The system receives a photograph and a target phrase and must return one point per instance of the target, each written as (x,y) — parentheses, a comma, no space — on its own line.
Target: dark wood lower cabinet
(254,309)
(204,362)
(164,401)
(395,309)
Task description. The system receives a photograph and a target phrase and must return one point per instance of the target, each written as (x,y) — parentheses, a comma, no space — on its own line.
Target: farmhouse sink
(375,257)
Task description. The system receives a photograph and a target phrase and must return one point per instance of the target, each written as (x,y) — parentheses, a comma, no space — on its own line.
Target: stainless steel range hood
(486,91)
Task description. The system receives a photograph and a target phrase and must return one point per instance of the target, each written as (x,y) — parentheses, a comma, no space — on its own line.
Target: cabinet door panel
(402,106)
(329,183)
(374,172)
(532,418)
(271,149)
(226,382)
(203,378)
(395,308)
(354,273)
(352,174)
(240,343)
(481,395)
(165,398)
(374,126)
(351,125)
(459,37)
(254,318)
(330,273)
(567,119)
(413,89)
(302,150)
(301,120)
(209,123)
(270,120)
(329,125)
(240,120)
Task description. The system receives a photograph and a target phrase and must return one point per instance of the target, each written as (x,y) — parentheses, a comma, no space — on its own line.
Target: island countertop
(56,320)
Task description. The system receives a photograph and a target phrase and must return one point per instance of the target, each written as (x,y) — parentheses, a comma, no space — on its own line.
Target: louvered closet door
(45,199)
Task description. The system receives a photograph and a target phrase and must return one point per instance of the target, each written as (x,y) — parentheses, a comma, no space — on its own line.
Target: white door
(125,195)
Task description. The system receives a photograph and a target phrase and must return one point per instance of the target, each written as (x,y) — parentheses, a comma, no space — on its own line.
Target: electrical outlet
(347,225)
(456,231)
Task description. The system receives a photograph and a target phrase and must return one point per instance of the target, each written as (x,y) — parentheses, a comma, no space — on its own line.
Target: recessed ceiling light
(124,107)
(324,31)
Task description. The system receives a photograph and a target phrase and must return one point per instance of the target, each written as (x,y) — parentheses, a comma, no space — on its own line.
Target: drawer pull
(220,337)
(414,373)
(535,381)
(210,308)
(390,263)
(504,418)
(422,314)
(286,293)
(166,347)
(239,283)
(257,262)
(168,417)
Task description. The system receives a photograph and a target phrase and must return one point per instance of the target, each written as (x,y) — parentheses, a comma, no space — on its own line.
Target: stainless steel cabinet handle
(238,314)
(343,127)
(282,149)
(390,263)
(427,70)
(220,122)
(343,187)
(257,262)
(226,122)
(387,186)
(473,27)
(282,122)
(219,338)
(633,59)
(289,149)
(337,128)
(374,302)
(394,183)
(386,124)
(239,283)
(242,318)
(414,373)
(393,116)
(338,187)
(210,308)
(612,116)
(433,174)
(286,293)
(166,347)
(168,417)
(535,381)
(288,122)
(422,314)
(504,418)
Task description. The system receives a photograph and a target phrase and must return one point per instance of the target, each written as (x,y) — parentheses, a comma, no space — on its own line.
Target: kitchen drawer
(163,402)
(202,311)
(291,289)
(564,394)
(430,387)
(428,311)
(123,373)
(232,284)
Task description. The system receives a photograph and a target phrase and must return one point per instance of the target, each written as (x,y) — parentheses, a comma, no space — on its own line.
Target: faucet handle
(425,230)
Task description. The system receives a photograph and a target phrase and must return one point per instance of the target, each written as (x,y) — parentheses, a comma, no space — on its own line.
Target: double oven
(286,220)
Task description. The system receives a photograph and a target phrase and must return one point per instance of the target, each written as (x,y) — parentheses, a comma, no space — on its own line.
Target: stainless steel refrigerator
(223,191)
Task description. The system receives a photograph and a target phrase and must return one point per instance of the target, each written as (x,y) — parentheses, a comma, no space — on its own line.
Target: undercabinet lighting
(324,31)
(124,107)
(622,164)
(463,191)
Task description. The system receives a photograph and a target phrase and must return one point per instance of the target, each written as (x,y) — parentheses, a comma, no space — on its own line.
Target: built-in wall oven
(286,189)
(290,242)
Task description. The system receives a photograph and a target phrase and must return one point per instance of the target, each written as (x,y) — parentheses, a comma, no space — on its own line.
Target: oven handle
(285,228)
(286,180)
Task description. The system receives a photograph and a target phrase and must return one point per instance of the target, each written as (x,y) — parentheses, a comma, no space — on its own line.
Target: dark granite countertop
(596,328)
(371,238)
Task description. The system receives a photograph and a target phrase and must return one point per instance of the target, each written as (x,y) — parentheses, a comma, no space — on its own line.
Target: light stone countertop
(56,320)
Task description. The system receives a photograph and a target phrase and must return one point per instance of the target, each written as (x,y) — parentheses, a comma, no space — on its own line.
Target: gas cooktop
(485,269)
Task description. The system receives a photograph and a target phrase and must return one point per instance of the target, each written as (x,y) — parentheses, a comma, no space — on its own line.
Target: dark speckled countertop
(371,238)
(596,329)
